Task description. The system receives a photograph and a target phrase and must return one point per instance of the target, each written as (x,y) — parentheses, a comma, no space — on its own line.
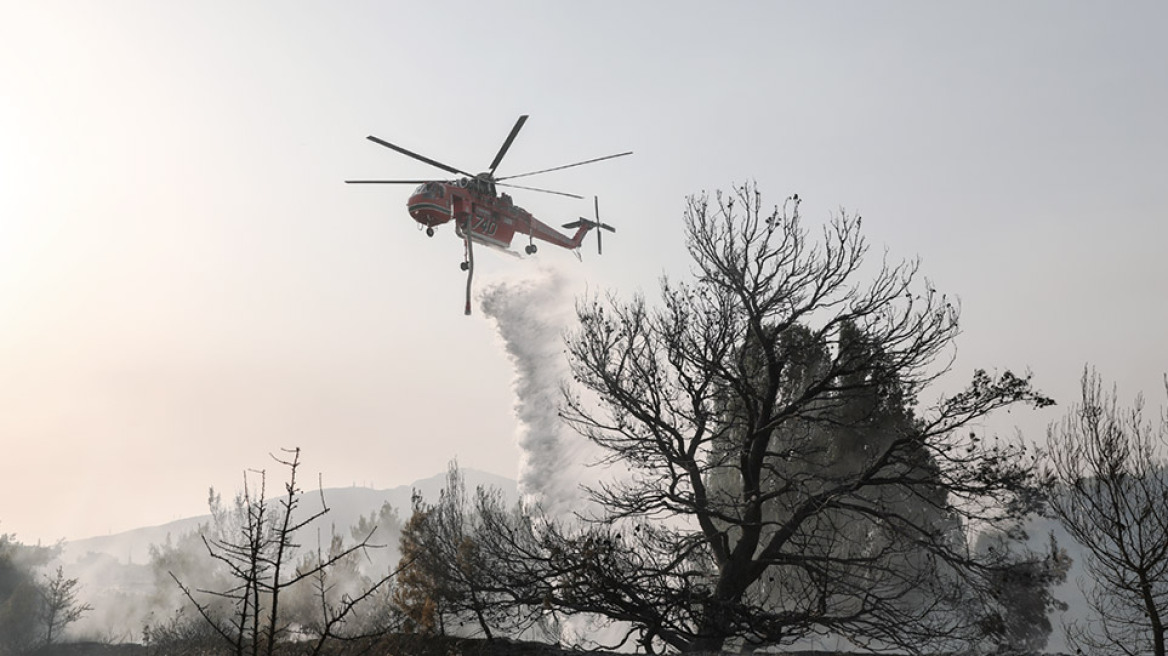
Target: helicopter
(483,215)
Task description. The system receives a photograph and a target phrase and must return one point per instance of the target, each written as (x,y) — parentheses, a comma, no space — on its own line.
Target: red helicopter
(480,214)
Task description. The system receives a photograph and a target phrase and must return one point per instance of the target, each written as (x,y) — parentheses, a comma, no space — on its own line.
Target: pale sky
(186,284)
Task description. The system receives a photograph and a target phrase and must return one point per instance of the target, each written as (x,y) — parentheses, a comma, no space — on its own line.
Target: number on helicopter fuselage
(484,225)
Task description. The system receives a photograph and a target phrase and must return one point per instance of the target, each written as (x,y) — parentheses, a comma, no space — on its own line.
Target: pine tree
(418,591)
(60,604)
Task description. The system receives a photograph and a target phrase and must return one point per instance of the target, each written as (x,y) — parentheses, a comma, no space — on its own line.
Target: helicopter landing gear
(530,249)
(429,231)
(465,266)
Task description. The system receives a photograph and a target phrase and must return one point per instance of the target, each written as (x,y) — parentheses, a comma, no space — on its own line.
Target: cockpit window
(429,190)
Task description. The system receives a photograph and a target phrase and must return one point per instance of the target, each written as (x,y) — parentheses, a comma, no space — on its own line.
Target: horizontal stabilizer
(592,224)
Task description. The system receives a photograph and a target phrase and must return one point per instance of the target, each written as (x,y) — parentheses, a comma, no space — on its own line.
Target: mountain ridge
(346,506)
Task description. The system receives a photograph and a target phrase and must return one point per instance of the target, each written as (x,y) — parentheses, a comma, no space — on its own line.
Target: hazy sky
(186,284)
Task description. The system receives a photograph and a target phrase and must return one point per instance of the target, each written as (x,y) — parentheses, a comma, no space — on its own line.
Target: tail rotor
(601,226)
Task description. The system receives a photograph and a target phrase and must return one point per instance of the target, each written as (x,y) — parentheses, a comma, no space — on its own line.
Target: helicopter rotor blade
(420,158)
(546,191)
(565,166)
(388,181)
(507,144)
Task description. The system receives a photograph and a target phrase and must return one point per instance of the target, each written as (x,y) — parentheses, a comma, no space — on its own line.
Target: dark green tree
(382,527)
(20,594)
(447,566)
(1018,618)
(830,443)
(420,589)
(60,606)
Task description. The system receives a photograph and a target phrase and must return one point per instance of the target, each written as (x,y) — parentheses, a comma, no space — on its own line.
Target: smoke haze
(125,578)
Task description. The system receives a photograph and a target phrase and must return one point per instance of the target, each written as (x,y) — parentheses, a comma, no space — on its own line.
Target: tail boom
(583,226)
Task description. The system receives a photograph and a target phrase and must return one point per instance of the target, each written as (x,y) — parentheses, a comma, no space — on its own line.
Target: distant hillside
(346,506)
(123,591)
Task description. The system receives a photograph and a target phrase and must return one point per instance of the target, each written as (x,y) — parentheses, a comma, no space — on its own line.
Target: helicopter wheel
(530,249)
(429,231)
(464,265)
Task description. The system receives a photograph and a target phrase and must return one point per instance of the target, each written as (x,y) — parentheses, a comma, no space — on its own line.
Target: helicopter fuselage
(492,219)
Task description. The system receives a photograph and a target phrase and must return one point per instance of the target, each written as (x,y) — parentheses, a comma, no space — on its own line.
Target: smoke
(127,597)
(530,315)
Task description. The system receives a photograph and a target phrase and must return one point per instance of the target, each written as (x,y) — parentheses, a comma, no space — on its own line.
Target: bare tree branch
(1113,500)
(785,480)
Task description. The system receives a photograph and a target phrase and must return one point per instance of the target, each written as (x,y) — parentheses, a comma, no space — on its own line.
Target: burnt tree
(256,544)
(1112,499)
(784,480)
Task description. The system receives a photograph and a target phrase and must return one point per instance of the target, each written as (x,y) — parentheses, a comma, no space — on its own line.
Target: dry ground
(390,646)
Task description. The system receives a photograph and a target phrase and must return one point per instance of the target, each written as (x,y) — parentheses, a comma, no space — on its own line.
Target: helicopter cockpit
(430,190)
